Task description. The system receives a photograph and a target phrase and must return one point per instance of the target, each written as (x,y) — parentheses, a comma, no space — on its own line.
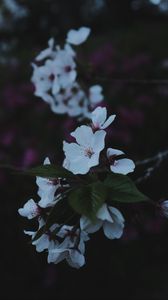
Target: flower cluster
(55,78)
(74,201)
(90,141)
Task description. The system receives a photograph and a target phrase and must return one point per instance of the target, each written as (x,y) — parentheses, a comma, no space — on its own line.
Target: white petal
(98,143)
(62,233)
(112,230)
(46,161)
(95,94)
(55,86)
(42,243)
(99,116)
(94,160)
(70,50)
(108,122)
(30,210)
(77,37)
(103,214)
(56,255)
(88,226)
(75,259)
(30,233)
(116,215)
(84,236)
(96,89)
(47,201)
(66,80)
(83,135)
(47,52)
(72,150)
(123,166)
(112,151)
(51,43)
(80,166)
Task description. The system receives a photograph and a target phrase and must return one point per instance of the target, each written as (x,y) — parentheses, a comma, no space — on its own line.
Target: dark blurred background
(128,41)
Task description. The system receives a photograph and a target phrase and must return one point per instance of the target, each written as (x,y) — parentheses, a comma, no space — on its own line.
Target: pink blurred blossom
(132,63)
(30,157)
(16,95)
(131,117)
(7,137)
(104,58)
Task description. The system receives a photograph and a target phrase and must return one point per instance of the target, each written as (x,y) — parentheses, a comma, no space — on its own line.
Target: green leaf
(122,189)
(88,199)
(60,213)
(49,171)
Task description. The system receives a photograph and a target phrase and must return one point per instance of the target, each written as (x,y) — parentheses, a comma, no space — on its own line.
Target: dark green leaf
(49,171)
(87,200)
(122,189)
(59,213)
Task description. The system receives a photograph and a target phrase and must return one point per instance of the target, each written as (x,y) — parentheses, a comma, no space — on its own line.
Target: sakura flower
(77,37)
(69,101)
(65,65)
(122,165)
(45,241)
(164,207)
(47,53)
(30,210)
(46,189)
(55,76)
(72,248)
(99,118)
(95,94)
(45,79)
(84,154)
(110,218)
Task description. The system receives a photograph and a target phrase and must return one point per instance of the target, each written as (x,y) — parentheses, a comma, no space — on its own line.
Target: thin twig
(156,160)
(134,81)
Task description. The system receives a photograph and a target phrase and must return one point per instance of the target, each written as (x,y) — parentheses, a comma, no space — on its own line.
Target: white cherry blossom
(47,189)
(45,241)
(72,248)
(30,210)
(99,118)
(55,77)
(120,166)
(45,79)
(69,101)
(65,66)
(108,217)
(84,154)
(77,37)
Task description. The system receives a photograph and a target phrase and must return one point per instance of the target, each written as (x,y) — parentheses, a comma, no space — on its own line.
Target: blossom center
(95,126)
(36,211)
(68,69)
(71,234)
(112,160)
(52,77)
(89,152)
